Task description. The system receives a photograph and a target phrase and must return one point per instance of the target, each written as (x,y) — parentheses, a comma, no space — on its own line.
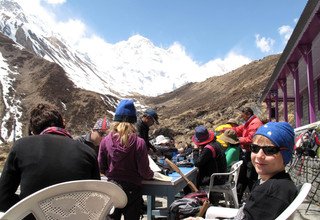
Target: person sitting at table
(123,158)
(232,151)
(165,147)
(47,157)
(97,133)
(209,157)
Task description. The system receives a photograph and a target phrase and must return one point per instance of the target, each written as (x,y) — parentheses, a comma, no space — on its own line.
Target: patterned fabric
(56,130)
(102,124)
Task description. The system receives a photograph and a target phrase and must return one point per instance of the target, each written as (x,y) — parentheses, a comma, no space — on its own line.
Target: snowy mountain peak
(139,40)
(127,67)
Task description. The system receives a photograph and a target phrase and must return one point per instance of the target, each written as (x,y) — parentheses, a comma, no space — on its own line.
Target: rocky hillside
(213,101)
(36,80)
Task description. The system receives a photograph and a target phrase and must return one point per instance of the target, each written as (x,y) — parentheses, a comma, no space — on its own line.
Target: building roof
(306,31)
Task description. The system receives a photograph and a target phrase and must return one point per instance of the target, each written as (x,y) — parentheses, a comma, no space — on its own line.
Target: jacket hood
(117,150)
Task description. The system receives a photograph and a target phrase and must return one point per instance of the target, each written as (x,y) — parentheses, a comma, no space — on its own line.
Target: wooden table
(153,188)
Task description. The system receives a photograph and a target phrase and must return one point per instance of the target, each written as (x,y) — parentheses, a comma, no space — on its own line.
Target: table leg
(150,206)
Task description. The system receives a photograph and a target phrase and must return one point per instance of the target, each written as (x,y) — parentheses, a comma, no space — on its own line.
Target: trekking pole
(203,208)
(176,169)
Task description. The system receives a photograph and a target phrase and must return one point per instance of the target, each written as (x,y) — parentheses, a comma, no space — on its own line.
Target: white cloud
(220,66)
(72,30)
(285,32)
(264,44)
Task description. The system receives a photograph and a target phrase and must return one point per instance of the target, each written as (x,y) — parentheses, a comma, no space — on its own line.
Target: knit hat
(282,135)
(102,124)
(202,135)
(229,136)
(125,111)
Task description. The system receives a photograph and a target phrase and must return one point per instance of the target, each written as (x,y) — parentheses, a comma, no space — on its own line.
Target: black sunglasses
(267,150)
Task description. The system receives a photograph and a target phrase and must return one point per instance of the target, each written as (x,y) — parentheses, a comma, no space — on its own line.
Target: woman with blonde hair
(123,158)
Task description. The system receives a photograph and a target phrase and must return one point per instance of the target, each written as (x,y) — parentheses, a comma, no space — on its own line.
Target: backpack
(211,148)
(183,208)
(218,179)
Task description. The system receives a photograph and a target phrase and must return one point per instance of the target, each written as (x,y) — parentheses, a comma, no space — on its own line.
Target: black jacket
(36,162)
(270,199)
(208,165)
(143,132)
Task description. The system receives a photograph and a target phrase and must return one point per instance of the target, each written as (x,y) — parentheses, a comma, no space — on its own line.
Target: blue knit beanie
(282,135)
(125,111)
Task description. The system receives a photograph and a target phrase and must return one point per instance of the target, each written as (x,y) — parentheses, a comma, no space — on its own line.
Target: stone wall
(306,169)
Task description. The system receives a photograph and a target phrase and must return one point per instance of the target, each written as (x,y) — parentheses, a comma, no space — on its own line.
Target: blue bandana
(282,135)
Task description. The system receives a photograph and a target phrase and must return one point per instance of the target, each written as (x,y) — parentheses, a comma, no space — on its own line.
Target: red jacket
(246,131)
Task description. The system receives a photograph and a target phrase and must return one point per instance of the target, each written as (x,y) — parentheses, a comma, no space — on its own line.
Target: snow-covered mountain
(84,82)
(128,67)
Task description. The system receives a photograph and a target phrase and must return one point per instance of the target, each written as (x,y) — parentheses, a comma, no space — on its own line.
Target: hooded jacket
(246,131)
(269,199)
(38,161)
(120,163)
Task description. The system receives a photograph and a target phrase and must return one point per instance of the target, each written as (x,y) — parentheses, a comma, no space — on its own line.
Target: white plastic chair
(288,212)
(230,187)
(215,212)
(74,200)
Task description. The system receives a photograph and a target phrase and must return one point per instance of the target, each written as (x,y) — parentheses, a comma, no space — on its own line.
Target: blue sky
(206,29)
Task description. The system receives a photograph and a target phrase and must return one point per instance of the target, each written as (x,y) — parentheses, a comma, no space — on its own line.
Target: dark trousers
(247,176)
(132,210)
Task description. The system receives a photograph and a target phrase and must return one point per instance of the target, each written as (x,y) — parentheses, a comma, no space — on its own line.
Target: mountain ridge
(213,101)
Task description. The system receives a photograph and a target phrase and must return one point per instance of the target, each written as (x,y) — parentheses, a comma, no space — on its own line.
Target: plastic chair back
(74,200)
(303,192)
(230,187)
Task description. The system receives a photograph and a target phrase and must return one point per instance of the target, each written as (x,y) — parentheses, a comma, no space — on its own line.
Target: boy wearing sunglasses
(271,150)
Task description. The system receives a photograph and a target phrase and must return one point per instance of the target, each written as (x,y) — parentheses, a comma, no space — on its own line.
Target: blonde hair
(124,130)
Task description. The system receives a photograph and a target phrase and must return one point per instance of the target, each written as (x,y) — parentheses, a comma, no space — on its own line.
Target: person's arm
(247,139)
(9,182)
(150,146)
(204,156)
(103,157)
(239,129)
(143,161)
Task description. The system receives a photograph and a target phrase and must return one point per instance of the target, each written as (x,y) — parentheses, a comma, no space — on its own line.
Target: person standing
(149,118)
(47,157)
(94,137)
(123,158)
(245,132)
